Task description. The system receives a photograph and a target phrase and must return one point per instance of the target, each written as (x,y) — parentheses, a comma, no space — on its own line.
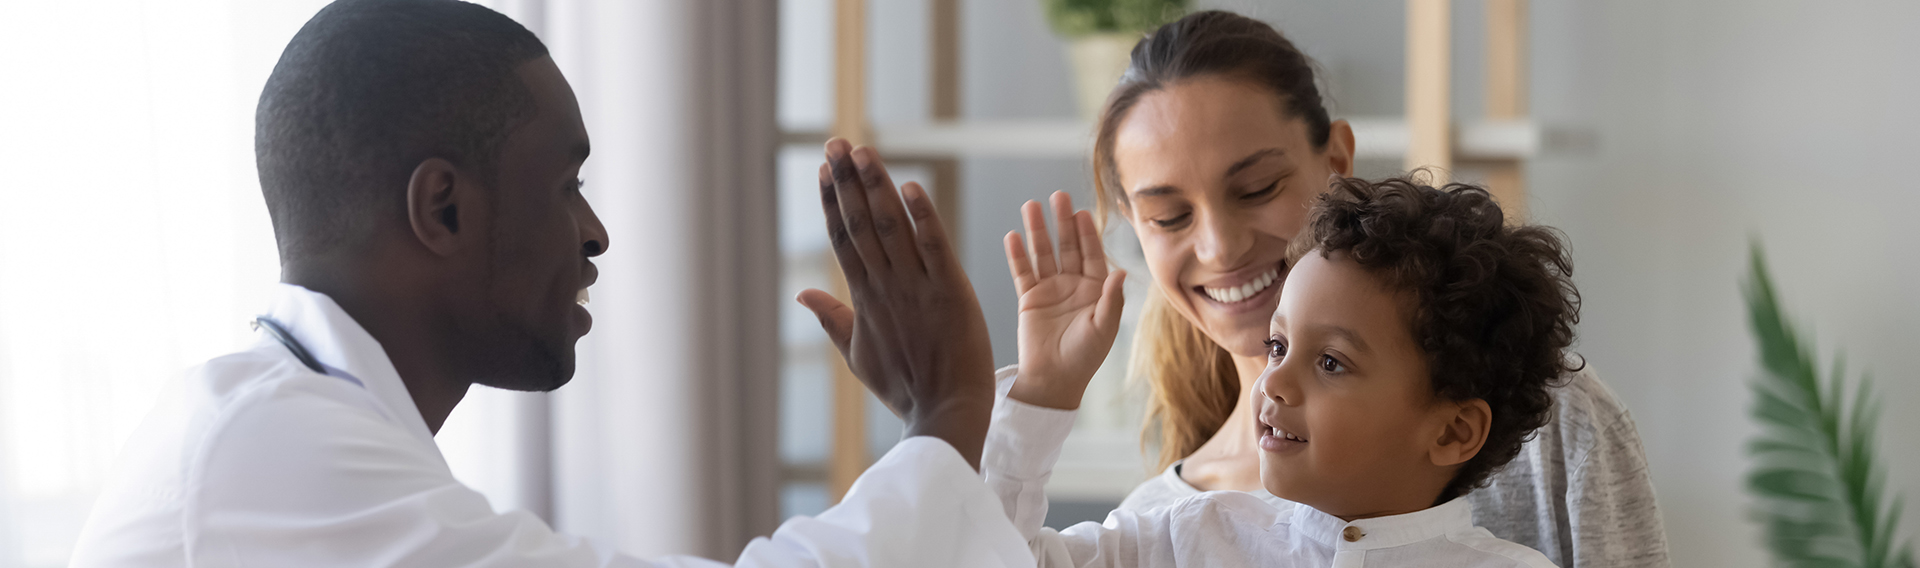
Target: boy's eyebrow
(1344,333)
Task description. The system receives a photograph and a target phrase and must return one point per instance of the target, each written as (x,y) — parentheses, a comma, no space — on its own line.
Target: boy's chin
(1277,482)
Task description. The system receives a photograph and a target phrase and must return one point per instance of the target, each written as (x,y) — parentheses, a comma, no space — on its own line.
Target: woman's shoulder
(1584,405)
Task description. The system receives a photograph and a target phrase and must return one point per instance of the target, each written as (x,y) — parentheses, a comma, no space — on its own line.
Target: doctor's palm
(1069,305)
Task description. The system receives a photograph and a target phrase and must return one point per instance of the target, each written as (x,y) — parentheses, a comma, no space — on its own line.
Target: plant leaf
(1819,486)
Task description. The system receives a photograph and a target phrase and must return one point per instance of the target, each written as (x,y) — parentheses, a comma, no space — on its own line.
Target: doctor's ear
(443,204)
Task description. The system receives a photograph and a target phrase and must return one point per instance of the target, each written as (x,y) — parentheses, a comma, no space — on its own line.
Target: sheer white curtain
(133,239)
(134,244)
(665,442)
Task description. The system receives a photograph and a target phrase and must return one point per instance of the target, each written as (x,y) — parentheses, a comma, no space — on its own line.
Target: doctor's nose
(594,233)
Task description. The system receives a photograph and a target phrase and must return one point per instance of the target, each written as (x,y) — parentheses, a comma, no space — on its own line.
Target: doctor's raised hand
(1069,304)
(915,334)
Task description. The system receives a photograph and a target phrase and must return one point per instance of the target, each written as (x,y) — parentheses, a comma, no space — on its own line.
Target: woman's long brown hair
(1192,380)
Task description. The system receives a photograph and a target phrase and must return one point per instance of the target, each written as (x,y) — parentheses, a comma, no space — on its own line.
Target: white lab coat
(256,460)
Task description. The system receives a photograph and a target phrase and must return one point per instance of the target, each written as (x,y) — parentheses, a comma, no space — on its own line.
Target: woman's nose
(1223,241)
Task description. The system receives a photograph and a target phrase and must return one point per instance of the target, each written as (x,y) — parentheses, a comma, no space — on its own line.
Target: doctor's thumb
(835,317)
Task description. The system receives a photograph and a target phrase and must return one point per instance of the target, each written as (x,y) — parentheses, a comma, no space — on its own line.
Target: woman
(1211,149)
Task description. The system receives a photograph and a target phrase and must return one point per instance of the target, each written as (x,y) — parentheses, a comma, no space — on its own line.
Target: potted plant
(1100,37)
(1820,488)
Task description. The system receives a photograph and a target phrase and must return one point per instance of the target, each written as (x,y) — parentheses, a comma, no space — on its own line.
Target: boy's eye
(1275,349)
(1330,364)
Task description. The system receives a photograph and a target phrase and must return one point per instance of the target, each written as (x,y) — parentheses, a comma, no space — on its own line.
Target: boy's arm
(1023,444)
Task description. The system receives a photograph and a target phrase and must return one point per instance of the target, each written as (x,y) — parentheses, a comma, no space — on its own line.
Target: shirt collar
(1383,532)
(346,350)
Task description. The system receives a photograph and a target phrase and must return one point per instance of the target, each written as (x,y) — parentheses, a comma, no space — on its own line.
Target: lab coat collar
(345,349)
(1384,532)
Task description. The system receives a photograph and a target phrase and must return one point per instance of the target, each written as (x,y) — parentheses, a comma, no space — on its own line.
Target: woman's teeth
(1243,291)
(581,298)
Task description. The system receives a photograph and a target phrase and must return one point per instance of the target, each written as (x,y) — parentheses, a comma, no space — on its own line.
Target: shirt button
(1352,534)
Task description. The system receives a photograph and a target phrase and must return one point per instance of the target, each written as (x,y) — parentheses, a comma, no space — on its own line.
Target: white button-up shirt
(256,460)
(1219,528)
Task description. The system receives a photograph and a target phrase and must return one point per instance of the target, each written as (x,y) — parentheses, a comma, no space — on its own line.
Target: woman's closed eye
(1263,194)
(1172,222)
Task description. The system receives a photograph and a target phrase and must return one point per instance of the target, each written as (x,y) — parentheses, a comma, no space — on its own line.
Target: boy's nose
(1276,383)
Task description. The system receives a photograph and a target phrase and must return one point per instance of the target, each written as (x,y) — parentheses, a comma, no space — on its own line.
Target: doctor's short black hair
(1494,304)
(365,92)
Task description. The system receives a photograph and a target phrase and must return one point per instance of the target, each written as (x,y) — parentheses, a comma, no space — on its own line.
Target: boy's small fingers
(1018,264)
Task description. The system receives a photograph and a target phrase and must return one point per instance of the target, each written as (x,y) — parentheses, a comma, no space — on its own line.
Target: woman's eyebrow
(1156,191)
(1252,159)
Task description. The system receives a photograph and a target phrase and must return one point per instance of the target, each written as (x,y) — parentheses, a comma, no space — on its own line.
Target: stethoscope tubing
(279,333)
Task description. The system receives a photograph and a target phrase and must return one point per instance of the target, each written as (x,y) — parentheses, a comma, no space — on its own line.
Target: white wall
(1718,121)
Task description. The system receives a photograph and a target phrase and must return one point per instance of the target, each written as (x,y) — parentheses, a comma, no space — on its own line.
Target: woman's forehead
(1198,129)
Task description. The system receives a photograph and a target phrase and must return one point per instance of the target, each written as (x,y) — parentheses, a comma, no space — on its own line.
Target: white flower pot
(1098,61)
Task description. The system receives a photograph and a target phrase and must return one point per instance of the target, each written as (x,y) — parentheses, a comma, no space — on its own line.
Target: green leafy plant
(1076,18)
(1820,488)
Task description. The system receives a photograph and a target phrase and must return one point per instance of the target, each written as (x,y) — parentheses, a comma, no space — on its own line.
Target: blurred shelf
(1376,138)
(1098,465)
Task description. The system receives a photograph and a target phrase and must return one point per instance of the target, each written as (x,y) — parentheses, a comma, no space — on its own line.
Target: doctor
(419,160)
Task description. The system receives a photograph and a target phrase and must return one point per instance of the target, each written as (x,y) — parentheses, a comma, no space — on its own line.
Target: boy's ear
(1464,433)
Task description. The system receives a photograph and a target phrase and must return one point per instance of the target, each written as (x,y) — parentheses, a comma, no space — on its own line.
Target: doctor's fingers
(930,233)
(890,224)
(856,211)
(844,251)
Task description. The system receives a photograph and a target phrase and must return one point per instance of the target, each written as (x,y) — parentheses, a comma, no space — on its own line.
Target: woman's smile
(1252,290)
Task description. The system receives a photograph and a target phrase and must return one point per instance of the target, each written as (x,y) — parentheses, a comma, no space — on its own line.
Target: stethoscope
(279,333)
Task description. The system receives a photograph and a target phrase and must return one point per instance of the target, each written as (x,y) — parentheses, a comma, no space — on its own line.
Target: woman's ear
(1340,148)
(1464,433)
(444,207)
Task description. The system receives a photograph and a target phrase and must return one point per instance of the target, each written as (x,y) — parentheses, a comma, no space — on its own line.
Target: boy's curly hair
(1495,305)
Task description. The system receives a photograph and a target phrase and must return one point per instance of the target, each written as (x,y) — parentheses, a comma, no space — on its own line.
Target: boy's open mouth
(1279,440)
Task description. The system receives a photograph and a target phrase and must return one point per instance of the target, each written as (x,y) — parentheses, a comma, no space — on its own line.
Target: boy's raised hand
(1069,305)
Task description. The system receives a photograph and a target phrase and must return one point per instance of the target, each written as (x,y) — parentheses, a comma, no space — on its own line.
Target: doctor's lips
(1233,293)
(581,298)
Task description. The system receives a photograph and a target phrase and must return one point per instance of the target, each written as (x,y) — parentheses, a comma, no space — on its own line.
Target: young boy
(1410,356)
